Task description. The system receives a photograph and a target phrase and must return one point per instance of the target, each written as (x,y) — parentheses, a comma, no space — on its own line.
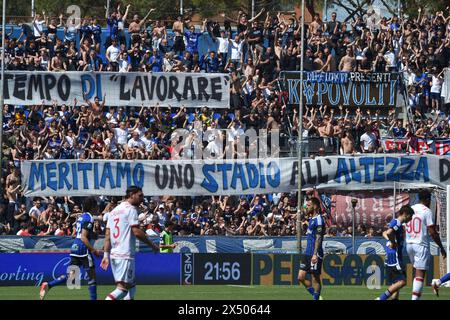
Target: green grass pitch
(218,292)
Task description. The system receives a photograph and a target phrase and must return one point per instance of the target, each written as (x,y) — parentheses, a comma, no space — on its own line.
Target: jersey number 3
(116,232)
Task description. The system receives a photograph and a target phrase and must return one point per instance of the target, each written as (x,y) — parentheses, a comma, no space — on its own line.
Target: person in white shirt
(418,233)
(139,128)
(391,59)
(38,24)
(111,116)
(122,229)
(147,141)
(135,141)
(368,141)
(124,66)
(70,137)
(213,150)
(151,232)
(235,131)
(223,45)
(121,134)
(112,55)
(436,87)
(110,143)
(236,50)
(36,210)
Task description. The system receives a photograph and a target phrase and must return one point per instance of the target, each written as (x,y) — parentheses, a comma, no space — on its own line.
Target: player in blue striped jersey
(81,250)
(313,256)
(394,253)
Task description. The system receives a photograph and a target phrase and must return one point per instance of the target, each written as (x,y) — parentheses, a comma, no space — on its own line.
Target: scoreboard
(206,268)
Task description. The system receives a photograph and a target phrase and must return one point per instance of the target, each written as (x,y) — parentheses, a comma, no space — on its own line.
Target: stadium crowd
(254,52)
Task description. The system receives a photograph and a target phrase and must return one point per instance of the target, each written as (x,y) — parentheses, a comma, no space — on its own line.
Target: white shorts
(418,255)
(123,270)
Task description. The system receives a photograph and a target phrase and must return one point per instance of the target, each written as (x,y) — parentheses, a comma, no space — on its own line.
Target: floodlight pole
(354,202)
(253,8)
(2,98)
(300,134)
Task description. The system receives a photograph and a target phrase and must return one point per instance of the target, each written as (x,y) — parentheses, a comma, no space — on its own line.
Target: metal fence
(311,146)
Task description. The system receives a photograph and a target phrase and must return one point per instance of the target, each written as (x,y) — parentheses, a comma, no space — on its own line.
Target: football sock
(444,279)
(316,295)
(310,290)
(131,293)
(117,294)
(57,282)
(93,289)
(385,295)
(417,288)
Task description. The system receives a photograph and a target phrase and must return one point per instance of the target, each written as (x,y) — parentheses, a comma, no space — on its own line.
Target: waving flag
(443,147)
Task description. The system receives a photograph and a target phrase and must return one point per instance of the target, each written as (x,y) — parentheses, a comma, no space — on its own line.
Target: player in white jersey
(122,229)
(418,233)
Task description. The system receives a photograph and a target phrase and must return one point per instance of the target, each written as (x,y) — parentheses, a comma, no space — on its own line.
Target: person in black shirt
(16,65)
(43,42)
(289,60)
(255,39)
(380,63)
(74,65)
(269,62)
(147,41)
(27,32)
(224,120)
(333,27)
(308,62)
(35,65)
(19,51)
(31,49)
(135,57)
(252,121)
(288,35)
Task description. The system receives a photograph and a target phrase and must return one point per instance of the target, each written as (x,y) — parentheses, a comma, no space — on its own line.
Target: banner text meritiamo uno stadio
(230,177)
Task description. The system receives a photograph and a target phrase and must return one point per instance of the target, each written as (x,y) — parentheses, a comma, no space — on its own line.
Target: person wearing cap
(166,244)
(145,61)
(162,214)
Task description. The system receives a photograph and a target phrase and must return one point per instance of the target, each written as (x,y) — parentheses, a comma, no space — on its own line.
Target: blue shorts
(435,96)
(394,274)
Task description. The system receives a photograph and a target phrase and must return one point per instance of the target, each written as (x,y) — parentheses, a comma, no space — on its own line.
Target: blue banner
(19,269)
(214,244)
